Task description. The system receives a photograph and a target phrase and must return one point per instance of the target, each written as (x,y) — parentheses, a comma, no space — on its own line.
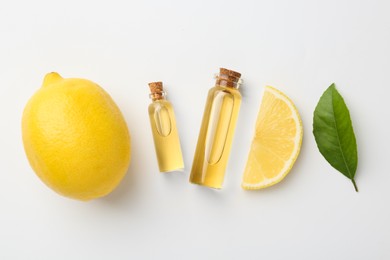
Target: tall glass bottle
(217,130)
(165,134)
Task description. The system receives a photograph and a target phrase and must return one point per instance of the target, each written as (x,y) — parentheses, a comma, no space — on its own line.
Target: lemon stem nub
(354,185)
(50,78)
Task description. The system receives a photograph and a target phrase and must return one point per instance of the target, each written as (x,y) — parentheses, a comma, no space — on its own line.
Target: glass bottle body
(216,136)
(165,136)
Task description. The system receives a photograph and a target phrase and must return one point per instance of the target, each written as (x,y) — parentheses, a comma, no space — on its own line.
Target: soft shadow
(174,183)
(218,197)
(244,90)
(127,189)
(175,176)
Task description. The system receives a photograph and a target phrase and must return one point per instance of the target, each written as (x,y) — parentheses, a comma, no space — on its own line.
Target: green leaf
(333,132)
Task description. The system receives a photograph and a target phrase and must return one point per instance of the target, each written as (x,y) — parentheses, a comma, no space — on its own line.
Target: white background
(300,47)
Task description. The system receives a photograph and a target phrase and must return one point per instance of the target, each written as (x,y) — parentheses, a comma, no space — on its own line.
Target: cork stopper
(156,90)
(228,78)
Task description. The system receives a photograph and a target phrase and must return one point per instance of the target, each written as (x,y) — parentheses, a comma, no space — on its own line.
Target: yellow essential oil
(217,130)
(165,134)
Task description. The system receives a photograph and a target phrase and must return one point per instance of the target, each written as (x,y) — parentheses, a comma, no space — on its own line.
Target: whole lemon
(75,138)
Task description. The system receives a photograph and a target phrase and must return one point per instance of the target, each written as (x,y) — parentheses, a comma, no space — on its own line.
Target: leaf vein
(338,139)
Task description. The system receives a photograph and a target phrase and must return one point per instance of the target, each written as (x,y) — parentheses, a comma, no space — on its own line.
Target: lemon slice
(277,141)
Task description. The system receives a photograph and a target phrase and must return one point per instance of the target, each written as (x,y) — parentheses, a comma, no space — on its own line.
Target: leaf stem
(354,185)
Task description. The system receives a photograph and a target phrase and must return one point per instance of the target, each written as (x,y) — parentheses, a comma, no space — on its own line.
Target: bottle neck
(228,78)
(157,96)
(156,91)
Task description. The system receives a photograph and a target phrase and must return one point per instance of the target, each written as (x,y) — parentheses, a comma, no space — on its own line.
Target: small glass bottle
(165,134)
(217,130)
